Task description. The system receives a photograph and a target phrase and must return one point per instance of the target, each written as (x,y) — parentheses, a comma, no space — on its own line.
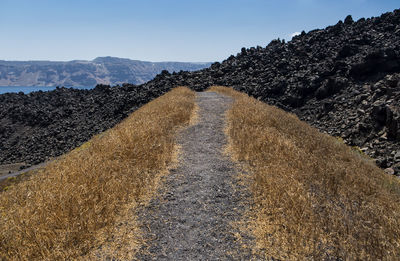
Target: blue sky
(162,30)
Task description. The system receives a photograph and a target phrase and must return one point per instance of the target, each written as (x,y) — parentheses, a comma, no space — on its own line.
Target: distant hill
(102,70)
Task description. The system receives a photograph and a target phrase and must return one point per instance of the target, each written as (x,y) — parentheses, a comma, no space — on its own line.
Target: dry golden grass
(10,181)
(79,201)
(315,198)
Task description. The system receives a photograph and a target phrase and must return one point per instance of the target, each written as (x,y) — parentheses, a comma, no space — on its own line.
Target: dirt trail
(192,218)
(11,170)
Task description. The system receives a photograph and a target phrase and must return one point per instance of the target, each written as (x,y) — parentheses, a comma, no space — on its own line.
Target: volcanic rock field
(343,80)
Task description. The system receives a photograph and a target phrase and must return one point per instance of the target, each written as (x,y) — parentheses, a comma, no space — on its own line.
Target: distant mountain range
(102,70)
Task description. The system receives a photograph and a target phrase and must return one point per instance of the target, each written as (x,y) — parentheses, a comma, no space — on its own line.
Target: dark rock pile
(42,125)
(344,80)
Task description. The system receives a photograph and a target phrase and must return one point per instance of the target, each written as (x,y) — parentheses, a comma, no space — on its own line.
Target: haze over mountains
(102,70)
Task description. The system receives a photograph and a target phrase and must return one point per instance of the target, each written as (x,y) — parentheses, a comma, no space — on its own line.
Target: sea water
(28,89)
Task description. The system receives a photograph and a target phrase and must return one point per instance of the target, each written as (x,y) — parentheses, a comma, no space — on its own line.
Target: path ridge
(192,219)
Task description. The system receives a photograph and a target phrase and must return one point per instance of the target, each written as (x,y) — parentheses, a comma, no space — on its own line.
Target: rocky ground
(344,80)
(42,125)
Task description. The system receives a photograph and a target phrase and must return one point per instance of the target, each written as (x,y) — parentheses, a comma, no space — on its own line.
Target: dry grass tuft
(315,198)
(77,202)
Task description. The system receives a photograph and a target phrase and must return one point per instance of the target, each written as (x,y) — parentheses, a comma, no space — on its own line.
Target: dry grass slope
(62,212)
(315,198)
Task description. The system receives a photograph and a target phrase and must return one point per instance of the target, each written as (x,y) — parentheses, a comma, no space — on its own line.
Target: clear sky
(162,30)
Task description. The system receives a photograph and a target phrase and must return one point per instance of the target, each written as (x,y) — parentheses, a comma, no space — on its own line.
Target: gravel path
(192,218)
(14,172)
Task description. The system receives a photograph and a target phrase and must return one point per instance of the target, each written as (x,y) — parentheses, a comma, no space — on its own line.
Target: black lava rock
(42,125)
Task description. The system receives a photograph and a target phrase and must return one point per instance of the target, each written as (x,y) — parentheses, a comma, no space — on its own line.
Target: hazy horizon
(83,60)
(159,30)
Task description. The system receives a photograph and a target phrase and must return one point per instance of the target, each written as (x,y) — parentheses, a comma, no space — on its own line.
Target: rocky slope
(344,80)
(41,125)
(102,70)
